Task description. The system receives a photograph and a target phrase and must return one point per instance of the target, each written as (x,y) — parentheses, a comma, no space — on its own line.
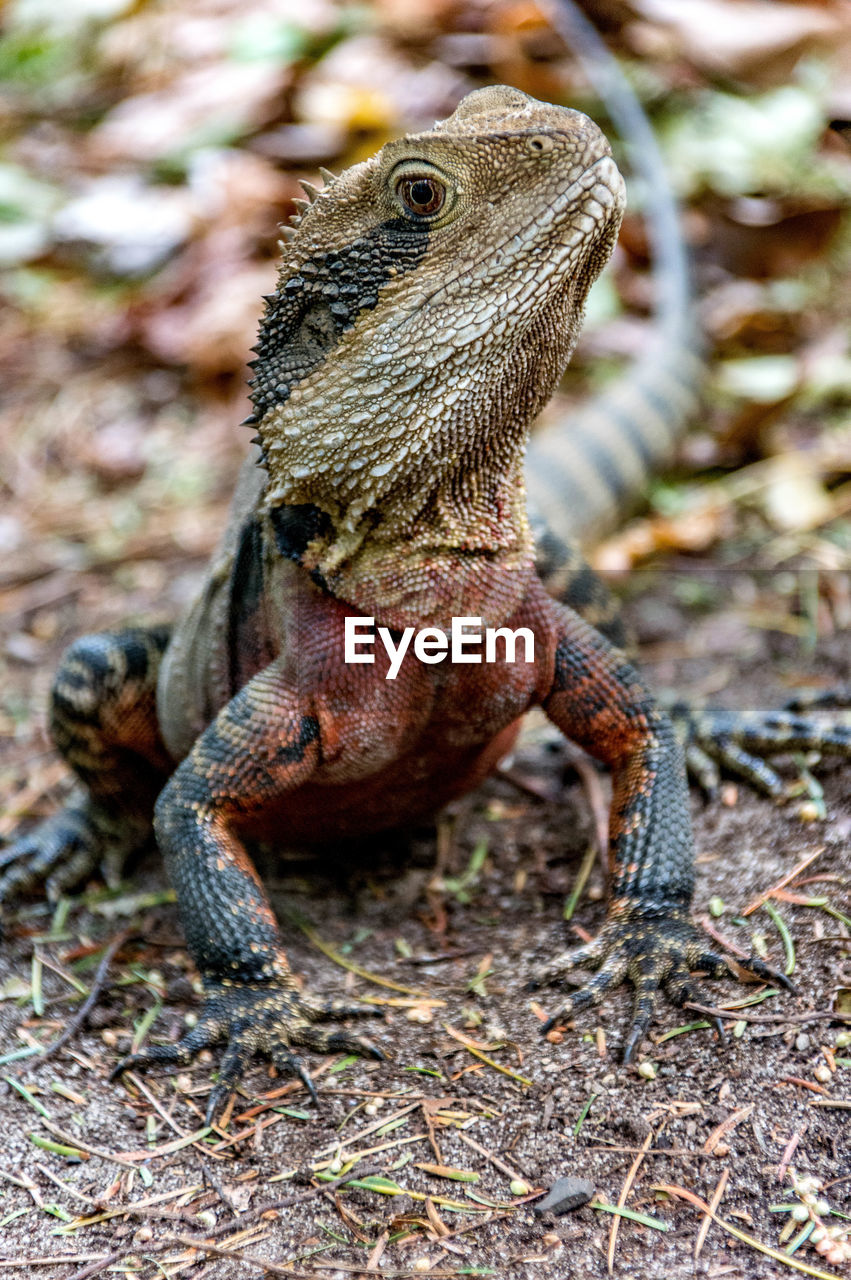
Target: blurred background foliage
(150,148)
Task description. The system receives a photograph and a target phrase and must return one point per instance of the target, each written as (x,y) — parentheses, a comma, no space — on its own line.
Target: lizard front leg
(263,744)
(597,699)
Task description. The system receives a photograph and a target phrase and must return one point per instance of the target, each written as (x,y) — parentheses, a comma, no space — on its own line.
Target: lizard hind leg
(742,743)
(103,722)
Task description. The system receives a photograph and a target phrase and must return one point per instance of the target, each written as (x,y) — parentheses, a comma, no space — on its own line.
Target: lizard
(428,300)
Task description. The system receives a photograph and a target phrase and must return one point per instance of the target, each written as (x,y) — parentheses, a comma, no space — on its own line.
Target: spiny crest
(313,193)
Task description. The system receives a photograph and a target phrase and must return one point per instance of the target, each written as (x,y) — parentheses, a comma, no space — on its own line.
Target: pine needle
(339,959)
(622,1198)
(713,1205)
(477,1053)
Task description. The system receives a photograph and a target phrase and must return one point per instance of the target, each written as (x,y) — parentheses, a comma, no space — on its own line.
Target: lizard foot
(63,850)
(655,950)
(252,1018)
(740,742)
(838,695)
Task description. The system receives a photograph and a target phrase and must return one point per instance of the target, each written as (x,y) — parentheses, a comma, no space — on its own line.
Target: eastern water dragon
(428,301)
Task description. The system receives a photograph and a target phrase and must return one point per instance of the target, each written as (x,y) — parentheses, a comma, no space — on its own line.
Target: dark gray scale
(308,314)
(251,637)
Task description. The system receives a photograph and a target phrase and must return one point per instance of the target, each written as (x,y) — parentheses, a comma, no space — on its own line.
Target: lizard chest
(398,740)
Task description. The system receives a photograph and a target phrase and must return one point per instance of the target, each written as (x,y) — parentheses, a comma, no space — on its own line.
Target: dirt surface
(712,1110)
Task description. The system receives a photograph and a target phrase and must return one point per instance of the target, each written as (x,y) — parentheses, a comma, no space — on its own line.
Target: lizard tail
(585,471)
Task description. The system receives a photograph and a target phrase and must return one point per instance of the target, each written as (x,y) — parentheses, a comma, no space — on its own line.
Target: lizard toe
(592,992)
(61,840)
(703,771)
(681,989)
(766,973)
(741,742)
(294,1065)
(317,1010)
(838,695)
(207,1032)
(642,1015)
(321,1041)
(62,851)
(591,955)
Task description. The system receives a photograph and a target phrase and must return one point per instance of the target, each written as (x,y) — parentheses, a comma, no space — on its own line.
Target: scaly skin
(400,363)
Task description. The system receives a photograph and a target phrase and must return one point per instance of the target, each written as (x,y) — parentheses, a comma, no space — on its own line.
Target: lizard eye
(421,194)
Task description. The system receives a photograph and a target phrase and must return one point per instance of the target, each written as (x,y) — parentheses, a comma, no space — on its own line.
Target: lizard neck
(461,547)
(414,510)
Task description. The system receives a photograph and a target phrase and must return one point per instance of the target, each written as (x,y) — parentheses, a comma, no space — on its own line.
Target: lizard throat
(459,550)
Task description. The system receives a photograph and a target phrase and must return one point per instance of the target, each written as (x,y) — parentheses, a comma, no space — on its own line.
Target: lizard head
(428,301)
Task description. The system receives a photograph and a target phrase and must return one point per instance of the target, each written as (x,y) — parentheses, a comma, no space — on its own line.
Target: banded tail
(587,470)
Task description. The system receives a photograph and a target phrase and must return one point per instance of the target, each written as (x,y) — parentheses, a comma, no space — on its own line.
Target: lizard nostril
(540,143)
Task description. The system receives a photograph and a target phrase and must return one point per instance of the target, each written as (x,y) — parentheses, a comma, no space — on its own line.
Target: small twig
(145,1210)
(429,1106)
(279,1269)
(471,1047)
(148,1212)
(803,1084)
(94,1268)
(597,802)
(375,1255)
(529,786)
(65,1260)
(352,1157)
(286,1202)
(21,1180)
(155,1103)
(782,883)
(684,1194)
(489,1155)
(339,959)
(92,1201)
(380,1123)
(243,1135)
(791,1148)
(713,1206)
(629,1151)
(585,868)
(218,1251)
(210,1177)
(726,1126)
(707,926)
(442,958)
(739,1015)
(91,999)
(73,1141)
(622,1198)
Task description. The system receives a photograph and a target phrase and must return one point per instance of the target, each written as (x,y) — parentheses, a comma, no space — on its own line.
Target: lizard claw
(656,950)
(757,966)
(265,1018)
